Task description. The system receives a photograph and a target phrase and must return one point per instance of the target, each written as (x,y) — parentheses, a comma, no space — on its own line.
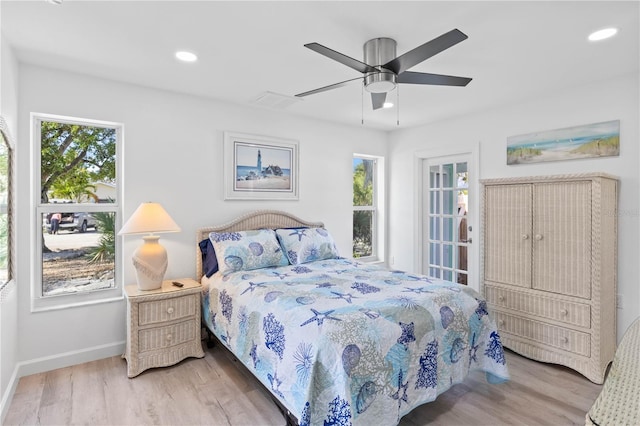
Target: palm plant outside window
(364,208)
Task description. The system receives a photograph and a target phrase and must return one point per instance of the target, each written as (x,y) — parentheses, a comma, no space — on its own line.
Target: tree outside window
(78,224)
(5,207)
(364,207)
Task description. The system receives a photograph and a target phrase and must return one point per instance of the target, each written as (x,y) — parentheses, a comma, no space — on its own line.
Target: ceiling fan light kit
(382,70)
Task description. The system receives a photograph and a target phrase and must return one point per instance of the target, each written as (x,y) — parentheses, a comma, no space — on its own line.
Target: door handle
(470,240)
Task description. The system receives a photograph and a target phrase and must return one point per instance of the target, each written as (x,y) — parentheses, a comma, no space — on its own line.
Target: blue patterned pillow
(304,245)
(247,250)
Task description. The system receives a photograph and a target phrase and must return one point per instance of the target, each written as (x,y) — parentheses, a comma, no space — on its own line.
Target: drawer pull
(500,323)
(565,340)
(525,236)
(538,237)
(170,310)
(564,312)
(169,337)
(501,298)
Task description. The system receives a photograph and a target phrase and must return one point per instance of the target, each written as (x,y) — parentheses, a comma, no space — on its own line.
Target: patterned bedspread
(342,342)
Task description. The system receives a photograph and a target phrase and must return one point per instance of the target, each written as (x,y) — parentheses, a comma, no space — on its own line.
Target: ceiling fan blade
(425,51)
(329,87)
(343,59)
(433,79)
(377,99)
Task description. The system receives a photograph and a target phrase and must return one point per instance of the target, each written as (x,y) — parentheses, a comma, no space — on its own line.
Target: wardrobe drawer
(547,334)
(168,309)
(558,310)
(163,337)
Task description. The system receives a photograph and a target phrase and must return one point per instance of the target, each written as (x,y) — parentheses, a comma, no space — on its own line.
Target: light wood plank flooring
(216,390)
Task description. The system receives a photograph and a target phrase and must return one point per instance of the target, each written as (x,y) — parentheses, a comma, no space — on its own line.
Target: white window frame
(63,301)
(377,207)
(9,208)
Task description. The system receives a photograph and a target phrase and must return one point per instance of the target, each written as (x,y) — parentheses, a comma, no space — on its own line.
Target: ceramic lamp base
(150,261)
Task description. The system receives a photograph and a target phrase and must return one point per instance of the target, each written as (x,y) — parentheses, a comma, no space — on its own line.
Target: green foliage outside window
(362,219)
(73,156)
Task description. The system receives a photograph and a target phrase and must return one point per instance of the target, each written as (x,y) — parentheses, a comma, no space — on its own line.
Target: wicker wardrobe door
(508,234)
(562,238)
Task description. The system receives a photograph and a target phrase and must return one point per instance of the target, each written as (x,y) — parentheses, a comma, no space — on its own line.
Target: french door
(447,239)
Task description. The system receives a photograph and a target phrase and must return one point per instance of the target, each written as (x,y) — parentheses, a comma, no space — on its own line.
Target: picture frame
(260,167)
(587,141)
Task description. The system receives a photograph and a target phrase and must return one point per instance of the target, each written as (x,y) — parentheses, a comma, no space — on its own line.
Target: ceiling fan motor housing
(377,52)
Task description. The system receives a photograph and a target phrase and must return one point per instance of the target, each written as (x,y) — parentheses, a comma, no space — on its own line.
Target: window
(6,225)
(77,208)
(367,197)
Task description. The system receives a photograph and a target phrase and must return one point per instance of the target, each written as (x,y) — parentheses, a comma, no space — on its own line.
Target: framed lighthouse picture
(260,167)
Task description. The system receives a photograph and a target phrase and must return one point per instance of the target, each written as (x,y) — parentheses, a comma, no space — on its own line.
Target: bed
(334,340)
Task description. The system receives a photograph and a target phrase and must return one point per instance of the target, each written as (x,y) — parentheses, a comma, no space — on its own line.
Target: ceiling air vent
(275,100)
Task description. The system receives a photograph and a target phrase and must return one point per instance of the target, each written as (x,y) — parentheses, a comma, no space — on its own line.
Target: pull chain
(362,105)
(397,105)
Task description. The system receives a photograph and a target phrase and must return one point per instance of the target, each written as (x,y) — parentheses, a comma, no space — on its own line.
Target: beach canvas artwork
(571,143)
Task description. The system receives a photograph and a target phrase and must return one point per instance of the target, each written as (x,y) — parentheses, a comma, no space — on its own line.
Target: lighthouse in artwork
(259,163)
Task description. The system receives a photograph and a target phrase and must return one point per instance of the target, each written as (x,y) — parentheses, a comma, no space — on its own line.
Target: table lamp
(150,259)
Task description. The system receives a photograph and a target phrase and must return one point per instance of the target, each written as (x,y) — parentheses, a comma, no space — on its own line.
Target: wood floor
(216,390)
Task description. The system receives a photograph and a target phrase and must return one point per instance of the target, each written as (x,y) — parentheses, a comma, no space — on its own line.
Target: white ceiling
(515,50)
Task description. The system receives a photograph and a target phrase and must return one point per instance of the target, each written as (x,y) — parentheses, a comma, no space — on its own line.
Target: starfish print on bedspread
(417,290)
(370,313)
(346,296)
(252,286)
(407,334)
(417,278)
(319,317)
(275,383)
(401,393)
(473,350)
(279,275)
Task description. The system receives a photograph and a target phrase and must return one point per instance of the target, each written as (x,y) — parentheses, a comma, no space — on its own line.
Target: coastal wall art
(260,167)
(571,143)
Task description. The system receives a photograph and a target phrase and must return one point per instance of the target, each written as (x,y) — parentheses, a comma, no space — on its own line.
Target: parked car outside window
(73,222)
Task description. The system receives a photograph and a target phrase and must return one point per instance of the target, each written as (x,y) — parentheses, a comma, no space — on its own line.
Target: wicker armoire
(549,267)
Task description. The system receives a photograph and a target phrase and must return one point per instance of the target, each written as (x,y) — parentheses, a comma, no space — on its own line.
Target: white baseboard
(53,362)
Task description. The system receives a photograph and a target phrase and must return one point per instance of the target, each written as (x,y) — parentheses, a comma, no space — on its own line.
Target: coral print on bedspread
(341,342)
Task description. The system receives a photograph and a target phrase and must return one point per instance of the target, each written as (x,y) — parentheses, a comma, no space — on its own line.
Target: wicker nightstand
(163,326)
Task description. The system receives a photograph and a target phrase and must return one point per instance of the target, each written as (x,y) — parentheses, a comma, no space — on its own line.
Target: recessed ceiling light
(54,1)
(602,34)
(387,105)
(185,56)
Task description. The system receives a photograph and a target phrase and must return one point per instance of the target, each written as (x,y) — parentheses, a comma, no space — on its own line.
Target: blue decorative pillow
(247,250)
(209,260)
(304,245)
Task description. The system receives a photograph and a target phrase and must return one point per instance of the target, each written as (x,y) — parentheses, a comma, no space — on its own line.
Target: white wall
(173,155)
(8,296)
(608,100)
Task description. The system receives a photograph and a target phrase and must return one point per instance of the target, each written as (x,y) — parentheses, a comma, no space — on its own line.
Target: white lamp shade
(149,218)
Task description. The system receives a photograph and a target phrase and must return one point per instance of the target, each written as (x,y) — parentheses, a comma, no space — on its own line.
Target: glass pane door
(447,234)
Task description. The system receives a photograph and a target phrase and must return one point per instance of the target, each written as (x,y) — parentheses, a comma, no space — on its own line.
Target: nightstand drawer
(558,310)
(164,337)
(547,334)
(167,310)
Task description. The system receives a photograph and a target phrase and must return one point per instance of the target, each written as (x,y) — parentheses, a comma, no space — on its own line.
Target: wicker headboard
(260,219)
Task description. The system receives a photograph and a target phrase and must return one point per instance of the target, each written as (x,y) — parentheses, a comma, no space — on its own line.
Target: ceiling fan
(382,70)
